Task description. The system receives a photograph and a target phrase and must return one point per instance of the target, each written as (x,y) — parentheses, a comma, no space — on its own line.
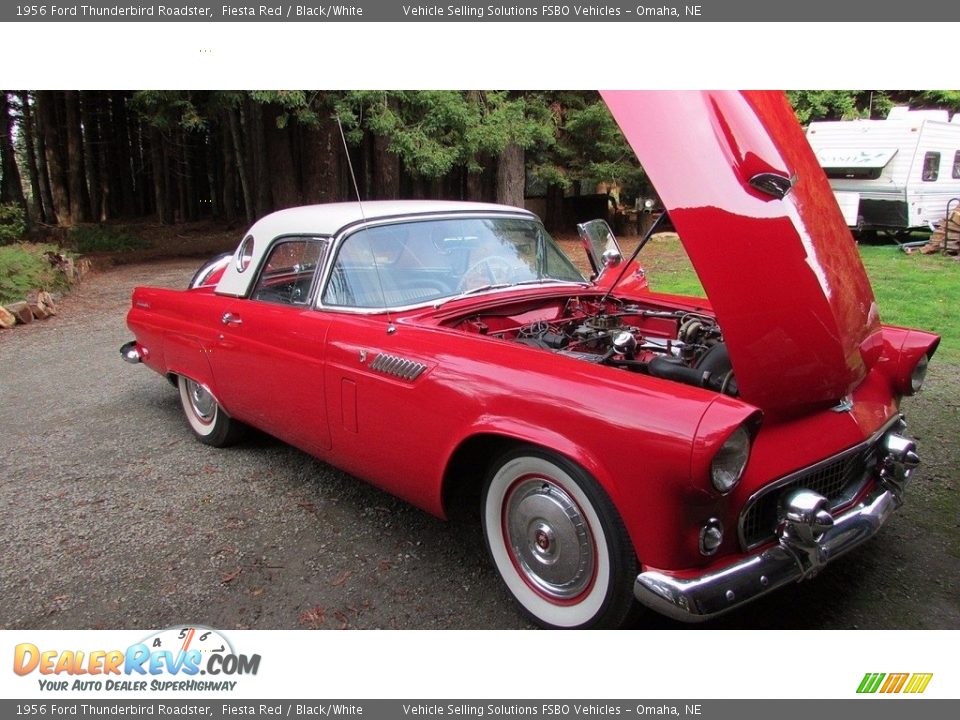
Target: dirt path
(111,515)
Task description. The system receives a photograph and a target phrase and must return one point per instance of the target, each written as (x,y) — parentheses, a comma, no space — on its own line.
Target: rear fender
(188,357)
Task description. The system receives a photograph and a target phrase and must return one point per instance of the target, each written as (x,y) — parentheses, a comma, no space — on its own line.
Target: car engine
(681,345)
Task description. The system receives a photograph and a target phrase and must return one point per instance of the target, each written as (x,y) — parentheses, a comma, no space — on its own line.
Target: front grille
(839,479)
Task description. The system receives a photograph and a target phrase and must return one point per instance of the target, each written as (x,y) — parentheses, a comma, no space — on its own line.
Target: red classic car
(628,445)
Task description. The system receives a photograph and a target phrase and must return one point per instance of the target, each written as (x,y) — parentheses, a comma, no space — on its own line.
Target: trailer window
(931,167)
(956,166)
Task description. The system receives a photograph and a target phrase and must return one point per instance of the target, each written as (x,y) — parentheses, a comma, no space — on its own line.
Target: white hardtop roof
(328,219)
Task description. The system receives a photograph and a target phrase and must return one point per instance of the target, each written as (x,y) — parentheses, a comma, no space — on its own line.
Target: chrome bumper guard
(130,352)
(808,537)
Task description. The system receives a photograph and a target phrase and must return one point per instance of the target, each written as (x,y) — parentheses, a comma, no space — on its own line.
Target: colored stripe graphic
(870,682)
(918,682)
(894,683)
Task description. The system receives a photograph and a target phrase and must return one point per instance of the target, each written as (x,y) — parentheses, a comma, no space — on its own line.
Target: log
(7,318)
(38,312)
(22,312)
(46,301)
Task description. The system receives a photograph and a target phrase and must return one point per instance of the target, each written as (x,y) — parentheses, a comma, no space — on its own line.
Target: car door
(269,356)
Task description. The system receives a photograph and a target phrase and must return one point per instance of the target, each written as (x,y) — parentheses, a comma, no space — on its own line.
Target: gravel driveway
(113,516)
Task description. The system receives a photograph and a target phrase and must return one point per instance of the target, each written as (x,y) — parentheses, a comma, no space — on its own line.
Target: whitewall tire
(557,542)
(208,421)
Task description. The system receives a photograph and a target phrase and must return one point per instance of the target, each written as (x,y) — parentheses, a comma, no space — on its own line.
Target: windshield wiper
(541,281)
(500,286)
(472,291)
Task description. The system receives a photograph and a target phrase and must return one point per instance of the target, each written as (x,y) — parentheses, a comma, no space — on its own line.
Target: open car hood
(760,224)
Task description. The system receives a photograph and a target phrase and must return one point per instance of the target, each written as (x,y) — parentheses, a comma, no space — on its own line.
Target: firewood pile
(38,306)
(946,233)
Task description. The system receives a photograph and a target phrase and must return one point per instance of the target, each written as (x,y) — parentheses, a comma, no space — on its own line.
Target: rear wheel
(557,541)
(206,418)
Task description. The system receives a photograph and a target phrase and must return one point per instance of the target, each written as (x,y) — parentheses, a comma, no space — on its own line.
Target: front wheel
(209,422)
(557,541)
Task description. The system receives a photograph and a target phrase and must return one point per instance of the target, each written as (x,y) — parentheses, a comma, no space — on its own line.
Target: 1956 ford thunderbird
(627,445)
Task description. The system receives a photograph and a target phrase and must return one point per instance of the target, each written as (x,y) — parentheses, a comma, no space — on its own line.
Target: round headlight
(648,203)
(730,460)
(919,374)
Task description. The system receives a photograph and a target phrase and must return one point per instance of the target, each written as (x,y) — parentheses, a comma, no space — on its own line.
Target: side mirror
(603,250)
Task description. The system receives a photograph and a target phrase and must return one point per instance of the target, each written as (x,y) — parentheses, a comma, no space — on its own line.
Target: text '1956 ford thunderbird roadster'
(630,448)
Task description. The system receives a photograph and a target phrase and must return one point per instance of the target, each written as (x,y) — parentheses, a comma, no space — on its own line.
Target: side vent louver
(397,367)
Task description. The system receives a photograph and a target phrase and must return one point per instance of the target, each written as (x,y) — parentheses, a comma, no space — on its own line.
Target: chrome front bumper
(808,537)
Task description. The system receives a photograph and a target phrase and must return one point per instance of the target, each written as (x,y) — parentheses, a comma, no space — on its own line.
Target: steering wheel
(489,265)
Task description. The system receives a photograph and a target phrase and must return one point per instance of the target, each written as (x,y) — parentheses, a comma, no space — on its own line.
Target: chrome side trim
(408,370)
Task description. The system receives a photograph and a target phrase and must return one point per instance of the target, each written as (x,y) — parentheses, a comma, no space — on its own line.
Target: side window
(288,271)
(956,166)
(931,167)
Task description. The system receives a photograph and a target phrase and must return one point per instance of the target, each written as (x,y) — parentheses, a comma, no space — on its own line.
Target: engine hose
(671,369)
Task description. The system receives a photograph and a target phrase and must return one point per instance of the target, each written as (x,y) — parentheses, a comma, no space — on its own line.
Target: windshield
(410,263)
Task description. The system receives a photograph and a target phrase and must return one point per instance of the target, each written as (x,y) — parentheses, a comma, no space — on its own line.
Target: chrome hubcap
(201,401)
(549,539)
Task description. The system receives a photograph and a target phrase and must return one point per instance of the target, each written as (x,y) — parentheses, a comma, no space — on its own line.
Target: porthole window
(245,255)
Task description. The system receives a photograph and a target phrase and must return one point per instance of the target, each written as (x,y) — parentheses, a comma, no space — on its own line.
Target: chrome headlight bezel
(730,461)
(919,373)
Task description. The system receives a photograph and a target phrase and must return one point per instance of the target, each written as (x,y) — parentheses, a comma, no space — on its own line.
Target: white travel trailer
(892,174)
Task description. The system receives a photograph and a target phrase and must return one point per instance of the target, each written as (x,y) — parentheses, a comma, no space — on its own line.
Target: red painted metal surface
(784,276)
(801,325)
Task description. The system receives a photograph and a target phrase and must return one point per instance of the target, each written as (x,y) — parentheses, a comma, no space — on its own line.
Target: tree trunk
(47,115)
(284,184)
(511,177)
(91,141)
(182,175)
(11,191)
(35,203)
(140,188)
(103,141)
(163,209)
(229,170)
(321,157)
(34,139)
(386,170)
(123,187)
(243,165)
(76,180)
(257,151)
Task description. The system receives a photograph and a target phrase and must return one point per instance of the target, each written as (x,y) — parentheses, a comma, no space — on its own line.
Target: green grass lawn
(920,291)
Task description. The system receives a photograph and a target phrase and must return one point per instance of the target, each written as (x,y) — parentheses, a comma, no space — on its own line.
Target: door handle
(231,319)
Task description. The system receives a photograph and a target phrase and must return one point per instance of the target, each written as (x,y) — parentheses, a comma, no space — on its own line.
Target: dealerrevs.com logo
(887,683)
(172,659)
